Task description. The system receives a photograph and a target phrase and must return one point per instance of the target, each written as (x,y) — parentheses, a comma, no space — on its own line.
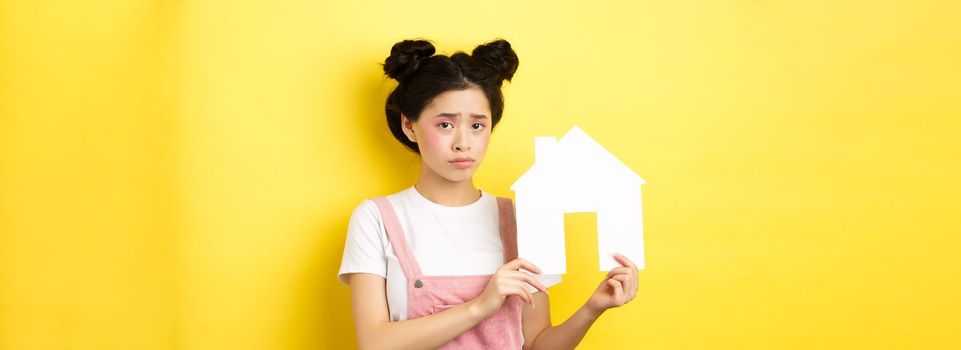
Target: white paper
(571,175)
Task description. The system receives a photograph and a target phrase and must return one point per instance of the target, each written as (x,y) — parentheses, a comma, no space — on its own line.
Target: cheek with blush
(432,146)
(432,141)
(481,145)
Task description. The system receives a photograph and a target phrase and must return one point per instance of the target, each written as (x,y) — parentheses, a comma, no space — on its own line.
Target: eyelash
(442,123)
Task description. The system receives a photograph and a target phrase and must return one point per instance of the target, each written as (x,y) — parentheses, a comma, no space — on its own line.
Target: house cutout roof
(576,156)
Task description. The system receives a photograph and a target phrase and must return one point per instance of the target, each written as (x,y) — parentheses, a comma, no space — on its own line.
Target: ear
(408,126)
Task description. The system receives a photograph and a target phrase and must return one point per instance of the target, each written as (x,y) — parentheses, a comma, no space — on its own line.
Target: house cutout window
(571,175)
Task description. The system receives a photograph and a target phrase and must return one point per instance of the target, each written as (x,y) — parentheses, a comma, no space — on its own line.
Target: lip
(462,162)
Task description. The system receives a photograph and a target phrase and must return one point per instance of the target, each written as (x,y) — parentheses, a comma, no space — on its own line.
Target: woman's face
(452,133)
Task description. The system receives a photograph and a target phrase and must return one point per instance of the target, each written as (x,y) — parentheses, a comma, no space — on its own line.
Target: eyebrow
(455,115)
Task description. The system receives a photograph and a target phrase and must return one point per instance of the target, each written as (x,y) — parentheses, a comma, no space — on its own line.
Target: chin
(459,177)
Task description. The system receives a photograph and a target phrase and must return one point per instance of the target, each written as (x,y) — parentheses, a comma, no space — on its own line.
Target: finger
(527,278)
(521,263)
(524,276)
(625,280)
(623,277)
(534,282)
(520,289)
(622,269)
(529,295)
(632,286)
(508,290)
(618,290)
(625,283)
(624,260)
(617,270)
(629,282)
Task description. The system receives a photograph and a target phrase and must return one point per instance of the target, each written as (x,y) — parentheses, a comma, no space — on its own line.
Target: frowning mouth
(462,162)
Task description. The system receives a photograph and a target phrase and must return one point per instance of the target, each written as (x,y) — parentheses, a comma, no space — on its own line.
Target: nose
(461,141)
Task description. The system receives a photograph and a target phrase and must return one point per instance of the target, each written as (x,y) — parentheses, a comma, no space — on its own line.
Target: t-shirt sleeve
(546,280)
(364,250)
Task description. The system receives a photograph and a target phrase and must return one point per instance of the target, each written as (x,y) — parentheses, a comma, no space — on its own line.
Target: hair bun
(405,57)
(499,57)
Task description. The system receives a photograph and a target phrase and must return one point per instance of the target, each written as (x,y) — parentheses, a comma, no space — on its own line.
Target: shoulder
(368,207)
(366,211)
(366,221)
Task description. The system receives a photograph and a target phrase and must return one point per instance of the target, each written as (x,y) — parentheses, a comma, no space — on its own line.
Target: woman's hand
(507,281)
(618,288)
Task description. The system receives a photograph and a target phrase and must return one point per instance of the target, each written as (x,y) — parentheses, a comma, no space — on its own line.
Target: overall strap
(396,235)
(508,227)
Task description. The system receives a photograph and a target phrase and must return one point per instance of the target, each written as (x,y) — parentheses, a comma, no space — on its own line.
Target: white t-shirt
(445,240)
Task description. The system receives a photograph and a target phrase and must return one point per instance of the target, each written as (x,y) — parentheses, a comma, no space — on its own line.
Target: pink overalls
(427,295)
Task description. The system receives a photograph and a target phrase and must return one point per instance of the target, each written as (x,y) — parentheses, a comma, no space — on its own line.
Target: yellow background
(179,174)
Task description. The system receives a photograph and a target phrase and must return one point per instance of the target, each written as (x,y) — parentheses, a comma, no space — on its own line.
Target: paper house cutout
(576,174)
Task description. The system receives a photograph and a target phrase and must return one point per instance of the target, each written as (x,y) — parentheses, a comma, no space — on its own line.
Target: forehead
(468,101)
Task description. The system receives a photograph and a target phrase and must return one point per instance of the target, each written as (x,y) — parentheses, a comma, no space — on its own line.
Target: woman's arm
(539,334)
(618,288)
(375,331)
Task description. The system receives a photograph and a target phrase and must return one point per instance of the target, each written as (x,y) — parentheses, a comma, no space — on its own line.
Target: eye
(478,126)
(444,125)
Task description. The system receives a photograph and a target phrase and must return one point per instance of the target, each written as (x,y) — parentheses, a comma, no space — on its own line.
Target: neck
(439,190)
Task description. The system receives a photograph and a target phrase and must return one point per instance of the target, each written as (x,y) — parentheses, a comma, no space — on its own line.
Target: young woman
(435,265)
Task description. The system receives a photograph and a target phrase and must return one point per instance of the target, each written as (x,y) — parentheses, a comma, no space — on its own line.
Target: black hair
(421,76)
